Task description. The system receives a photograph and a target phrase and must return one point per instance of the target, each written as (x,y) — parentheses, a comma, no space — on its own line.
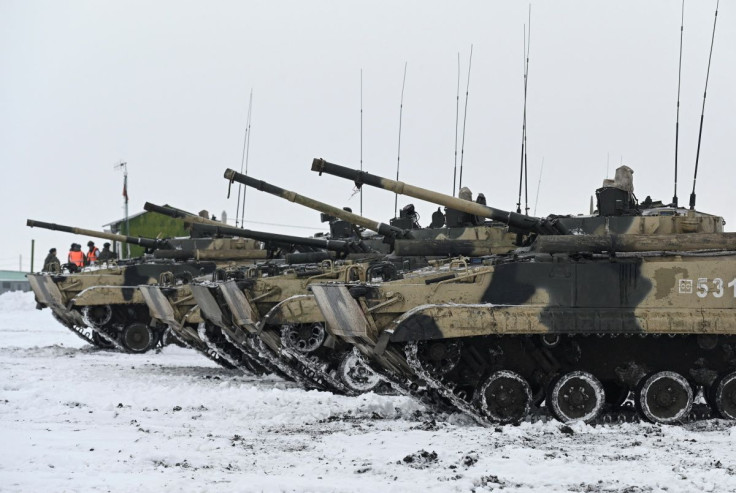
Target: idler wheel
(439,357)
(724,396)
(101,342)
(356,374)
(137,338)
(96,315)
(576,396)
(505,397)
(305,338)
(664,397)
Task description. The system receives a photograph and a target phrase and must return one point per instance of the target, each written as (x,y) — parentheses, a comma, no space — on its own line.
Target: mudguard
(242,313)
(342,313)
(159,306)
(208,305)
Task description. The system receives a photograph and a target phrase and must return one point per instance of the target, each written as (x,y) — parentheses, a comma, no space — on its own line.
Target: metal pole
(33,251)
(20,263)
(127,219)
(124,166)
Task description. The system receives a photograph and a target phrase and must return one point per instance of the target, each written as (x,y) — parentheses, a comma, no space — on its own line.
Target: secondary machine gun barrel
(516,221)
(149,243)
(380,228)
(344,246)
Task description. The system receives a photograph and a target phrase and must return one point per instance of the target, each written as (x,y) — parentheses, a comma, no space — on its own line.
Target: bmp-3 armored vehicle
(576,322)
(102,305)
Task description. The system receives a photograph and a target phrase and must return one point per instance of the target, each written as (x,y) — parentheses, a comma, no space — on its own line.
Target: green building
(147,224)
(13,280)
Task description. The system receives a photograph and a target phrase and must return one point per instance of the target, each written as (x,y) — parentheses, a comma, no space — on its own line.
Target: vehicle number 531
(703,286)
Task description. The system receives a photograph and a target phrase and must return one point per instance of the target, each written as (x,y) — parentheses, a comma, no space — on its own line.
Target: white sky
(165,86)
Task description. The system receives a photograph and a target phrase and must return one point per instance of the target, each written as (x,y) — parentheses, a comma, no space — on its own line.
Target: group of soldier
(76,259)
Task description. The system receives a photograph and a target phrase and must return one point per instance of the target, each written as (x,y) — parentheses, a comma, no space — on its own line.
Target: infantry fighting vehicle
(298,331)
(176,306)
(240,306)
(577,322)
(102,304)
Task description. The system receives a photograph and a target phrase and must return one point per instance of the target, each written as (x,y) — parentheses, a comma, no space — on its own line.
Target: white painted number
(702,290)
(718,284)
(702,287)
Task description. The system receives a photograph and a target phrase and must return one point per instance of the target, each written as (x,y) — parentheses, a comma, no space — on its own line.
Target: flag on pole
(125,191)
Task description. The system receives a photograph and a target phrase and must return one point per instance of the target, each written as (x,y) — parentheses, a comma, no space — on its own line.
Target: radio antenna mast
(523,164)
(677,121)
(247,154)
(457,119)
(242,160)
(465,117)
(361,137)
(702,114)
(398,158)
(539,185)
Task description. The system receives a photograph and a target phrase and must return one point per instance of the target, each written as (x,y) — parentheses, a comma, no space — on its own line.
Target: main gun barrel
(179,214)
(151,243)
(327,244)
(515,220)
(380,228)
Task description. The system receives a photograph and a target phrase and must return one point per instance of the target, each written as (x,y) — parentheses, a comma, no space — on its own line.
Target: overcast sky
(165,87)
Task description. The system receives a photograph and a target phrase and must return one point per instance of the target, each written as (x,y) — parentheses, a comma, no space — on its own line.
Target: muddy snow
(74,418)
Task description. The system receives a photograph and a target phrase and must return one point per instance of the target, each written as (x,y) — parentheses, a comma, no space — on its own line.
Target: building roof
(123,219)
(12,275)
(140,214)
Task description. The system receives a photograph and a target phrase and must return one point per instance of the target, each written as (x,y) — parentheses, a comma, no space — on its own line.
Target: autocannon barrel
(380,228)
(150,243)
(519,222)
(327,244)
(177,213)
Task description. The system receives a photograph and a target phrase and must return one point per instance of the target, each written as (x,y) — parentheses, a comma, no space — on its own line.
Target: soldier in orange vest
(76,257)
(93,253)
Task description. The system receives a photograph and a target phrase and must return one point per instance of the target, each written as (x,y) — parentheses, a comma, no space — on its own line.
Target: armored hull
(104,306)
(578,332)
(253,314)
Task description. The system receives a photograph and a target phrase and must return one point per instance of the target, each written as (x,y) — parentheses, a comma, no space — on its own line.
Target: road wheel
(138,338)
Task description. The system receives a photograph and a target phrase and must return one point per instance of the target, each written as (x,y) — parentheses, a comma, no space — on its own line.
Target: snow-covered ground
(73,418)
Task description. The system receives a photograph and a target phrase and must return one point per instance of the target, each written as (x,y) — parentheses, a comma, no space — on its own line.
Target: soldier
(438,219)
(92,253)
(106,254)
(76,258)
(52,263)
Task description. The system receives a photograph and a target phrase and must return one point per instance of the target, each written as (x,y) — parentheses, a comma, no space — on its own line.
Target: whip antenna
(398,158)
(677,122)
(361,137)
(465,118)
(702,114)
(522,165)
(457,120)
(246,152)
(242,161)
(539,185)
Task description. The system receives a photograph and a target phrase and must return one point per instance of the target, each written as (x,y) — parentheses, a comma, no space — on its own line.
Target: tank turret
(618,211)
(380,228)
(516,221)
